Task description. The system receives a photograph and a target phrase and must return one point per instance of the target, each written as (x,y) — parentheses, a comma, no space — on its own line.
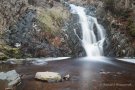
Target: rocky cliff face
(10,12)
(119,17)
(31,28)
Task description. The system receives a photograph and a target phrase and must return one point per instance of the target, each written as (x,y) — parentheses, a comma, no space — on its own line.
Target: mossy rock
(3,56)
(10,52)
(14,52)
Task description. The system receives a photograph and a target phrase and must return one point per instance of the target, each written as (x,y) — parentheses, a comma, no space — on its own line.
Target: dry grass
(53,19)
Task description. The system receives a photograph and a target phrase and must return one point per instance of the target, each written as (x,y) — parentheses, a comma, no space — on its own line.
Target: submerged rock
(11,76)
(48,76)
(66,77)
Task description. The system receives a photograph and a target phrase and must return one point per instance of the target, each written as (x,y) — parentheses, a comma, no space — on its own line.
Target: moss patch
(10,52)
(3,56)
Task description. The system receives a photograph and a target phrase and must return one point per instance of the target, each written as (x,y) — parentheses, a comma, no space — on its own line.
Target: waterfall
(92,39)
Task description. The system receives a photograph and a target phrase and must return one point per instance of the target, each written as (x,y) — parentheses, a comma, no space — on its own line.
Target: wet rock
(48,76)
(11,76)
(66,77)
(74,36)
(39,62)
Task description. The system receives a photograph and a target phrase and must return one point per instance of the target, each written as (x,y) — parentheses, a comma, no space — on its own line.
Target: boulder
(48,76)
(11,76)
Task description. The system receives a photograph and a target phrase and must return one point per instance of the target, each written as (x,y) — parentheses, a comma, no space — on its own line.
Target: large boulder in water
(11,76)
(48,76)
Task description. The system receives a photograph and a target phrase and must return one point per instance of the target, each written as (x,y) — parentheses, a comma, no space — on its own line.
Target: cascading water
(92,42)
